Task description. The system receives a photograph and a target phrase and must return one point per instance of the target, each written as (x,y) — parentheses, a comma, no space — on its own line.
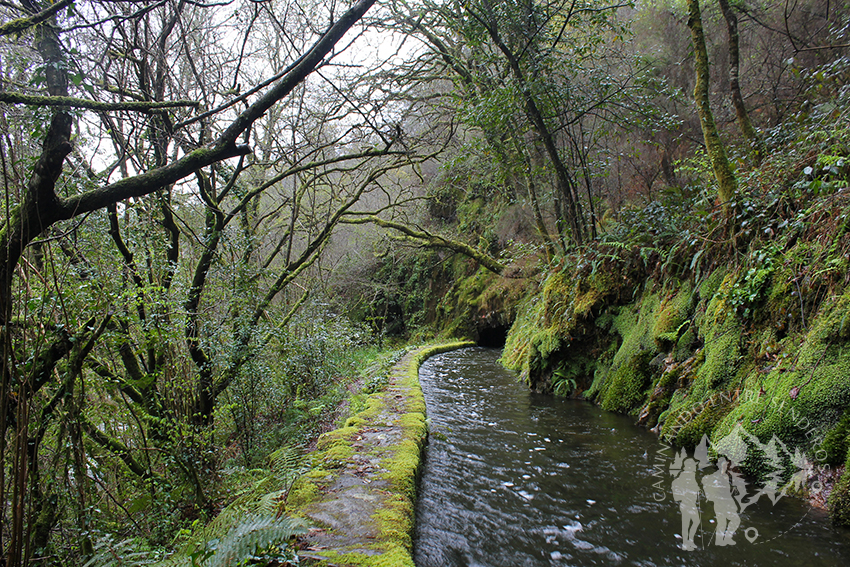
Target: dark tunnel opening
(493,337)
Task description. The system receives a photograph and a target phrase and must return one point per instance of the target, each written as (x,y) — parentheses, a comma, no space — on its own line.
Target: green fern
(255,536)
(287,465)
(563,379)
(256,506)
(111,553)
(285,460)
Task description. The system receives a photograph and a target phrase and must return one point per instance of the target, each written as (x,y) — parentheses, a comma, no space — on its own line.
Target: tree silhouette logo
(698,477)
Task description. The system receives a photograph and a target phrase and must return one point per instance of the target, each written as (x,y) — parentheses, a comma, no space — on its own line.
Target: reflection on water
(513,479)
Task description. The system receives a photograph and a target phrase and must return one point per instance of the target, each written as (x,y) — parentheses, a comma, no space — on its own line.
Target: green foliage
(125,553)
(282,393)
(256,540)
(651,225)
(564,378)
(258,494)
(749,289)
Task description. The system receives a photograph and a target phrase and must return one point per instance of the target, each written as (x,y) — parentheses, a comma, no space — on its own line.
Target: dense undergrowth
(323,369)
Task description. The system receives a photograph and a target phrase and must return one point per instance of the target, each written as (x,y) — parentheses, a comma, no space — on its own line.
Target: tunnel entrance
(493,336)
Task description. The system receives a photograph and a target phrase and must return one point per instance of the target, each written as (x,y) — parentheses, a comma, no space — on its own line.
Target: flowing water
(514,479)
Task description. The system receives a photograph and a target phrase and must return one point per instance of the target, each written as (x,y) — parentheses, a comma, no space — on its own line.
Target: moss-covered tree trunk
(726,182)
(741,113)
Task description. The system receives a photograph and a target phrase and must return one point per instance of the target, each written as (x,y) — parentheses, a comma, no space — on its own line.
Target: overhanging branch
(23,24)
(431,240)
(74,102)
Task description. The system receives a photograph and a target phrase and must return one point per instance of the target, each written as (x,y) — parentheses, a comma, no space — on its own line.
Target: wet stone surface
(358,489)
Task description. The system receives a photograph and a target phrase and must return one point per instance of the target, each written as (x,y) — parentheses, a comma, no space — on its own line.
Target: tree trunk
(735,85)
(532,157)
(727,185)
(562,176)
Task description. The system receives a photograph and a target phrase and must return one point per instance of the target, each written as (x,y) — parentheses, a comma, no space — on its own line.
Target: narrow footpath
(362,487)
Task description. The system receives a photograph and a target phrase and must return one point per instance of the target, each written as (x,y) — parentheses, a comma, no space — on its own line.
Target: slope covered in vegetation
(694,332)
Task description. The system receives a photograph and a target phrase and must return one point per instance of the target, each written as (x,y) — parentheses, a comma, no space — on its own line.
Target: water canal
(513,478)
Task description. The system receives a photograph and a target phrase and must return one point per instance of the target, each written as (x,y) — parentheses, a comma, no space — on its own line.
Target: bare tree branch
(73,102)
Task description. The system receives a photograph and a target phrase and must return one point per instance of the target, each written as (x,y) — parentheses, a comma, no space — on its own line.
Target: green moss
(628,384)
(836,441)
(684,345)
(481,292)
(717,369)
(711,284)
(337,455)
(703,420)
(302,493)
(659,399)
(403,467)
(590,292)
(803,393)
(844,327)
(636,329)
(336,437)
(672,315)
(839,498)
(374,407)
(722,351)
(392,557)
(395,520)
(628,371)
(553,319)
(335,446)
(530,340)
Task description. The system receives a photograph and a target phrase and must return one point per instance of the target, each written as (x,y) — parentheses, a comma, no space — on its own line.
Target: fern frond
(111,553)
(269,503)
(253,533)
(285,459)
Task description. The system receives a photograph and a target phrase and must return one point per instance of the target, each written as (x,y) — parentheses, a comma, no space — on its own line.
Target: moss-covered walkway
(361,489)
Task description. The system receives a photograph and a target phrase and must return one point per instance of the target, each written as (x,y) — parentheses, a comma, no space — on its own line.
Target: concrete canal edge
(361,489)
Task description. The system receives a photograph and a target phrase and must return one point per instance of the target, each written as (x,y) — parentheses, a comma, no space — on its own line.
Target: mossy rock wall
(740,346)
(561,322)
